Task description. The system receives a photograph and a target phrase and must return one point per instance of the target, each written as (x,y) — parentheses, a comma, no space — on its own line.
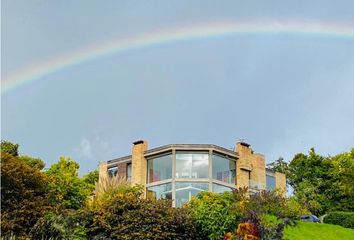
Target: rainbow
(39,70)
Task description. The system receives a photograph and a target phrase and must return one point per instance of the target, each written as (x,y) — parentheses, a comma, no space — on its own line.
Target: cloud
(85,149)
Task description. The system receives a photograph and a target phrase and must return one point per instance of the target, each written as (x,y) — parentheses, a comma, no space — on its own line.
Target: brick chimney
(139,163)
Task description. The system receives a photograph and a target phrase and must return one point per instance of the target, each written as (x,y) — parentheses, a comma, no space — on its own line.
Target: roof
(195,147)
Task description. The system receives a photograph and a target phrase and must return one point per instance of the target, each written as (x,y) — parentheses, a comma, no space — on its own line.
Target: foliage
(341,190)
(70,190)
(321,183)
(252,226)
(66,225)
(279,166)
(344,219)
(267,202)
(9,148)
(23,196)
(213,214)
(33,162)
(91,177)
(107,187)
(127,216)
(315,231)
(293,209)
(249,228)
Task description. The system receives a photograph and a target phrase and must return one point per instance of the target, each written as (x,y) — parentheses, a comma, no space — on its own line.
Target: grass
(318,231)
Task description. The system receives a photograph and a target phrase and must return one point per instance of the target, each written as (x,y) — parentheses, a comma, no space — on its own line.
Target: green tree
(342,176)
(321,183)
(70,189)
(279,166)
(91,177)
(9,148)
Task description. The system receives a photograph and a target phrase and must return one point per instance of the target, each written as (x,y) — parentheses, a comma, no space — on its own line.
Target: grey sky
(282,93)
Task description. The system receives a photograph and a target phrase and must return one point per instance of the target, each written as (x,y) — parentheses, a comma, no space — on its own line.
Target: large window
(220,188)
(160,191)
(192,165)
(224,169)
(180,174)
(270,182)
(185,191)
(160,168)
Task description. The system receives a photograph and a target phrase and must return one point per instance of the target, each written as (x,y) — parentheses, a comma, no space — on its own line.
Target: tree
(321,183)
(70,190)
(9,148)
(91,177)
(279,166)
(24,196)
(32,161)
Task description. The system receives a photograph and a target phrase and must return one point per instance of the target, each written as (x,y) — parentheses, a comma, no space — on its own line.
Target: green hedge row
(344,219)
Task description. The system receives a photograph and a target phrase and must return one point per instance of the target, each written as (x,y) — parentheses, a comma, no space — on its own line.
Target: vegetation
(24,196)
(58,204)
(131,217)
(316,231)
(321,183)
(344,219)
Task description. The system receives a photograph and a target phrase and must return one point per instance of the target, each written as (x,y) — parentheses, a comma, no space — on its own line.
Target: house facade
(180,171)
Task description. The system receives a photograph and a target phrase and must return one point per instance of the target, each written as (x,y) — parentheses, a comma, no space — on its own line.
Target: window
(224,169)
(159,168)
(220,188)
(270,181)
(129,172)
(160,191)
(185,191)
(113,171)
(192,165)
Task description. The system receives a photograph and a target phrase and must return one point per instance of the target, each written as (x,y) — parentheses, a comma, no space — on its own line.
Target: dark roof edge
(191,146)
(178,147)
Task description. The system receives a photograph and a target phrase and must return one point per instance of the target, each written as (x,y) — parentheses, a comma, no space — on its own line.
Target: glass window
(113,171)
(192,165)
(129,172)
(270,182)
(160,168)
(224,169)
(185,191)
(217,188)
(160,191)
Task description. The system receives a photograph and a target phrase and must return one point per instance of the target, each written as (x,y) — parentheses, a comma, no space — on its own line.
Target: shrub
(127,216)
(213,214)
(293,209)
(267,202)
(344,219)
(66,225)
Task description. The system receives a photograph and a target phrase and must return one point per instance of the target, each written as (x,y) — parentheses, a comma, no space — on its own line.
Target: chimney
(139,163)
(243,149)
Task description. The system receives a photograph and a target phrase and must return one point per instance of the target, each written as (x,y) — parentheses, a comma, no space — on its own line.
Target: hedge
(344,219)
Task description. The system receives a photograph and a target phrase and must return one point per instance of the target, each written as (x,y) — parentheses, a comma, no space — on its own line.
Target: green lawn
(318,231)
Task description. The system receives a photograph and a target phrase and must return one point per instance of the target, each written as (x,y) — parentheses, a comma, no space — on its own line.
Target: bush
(344,219)
(213,214)
(127,216)
(274,203)
(66,225)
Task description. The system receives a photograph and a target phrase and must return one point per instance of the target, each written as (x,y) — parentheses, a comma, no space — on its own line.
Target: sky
(85,79)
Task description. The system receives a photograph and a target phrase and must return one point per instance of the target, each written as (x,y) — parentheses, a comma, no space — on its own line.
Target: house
(180,171)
